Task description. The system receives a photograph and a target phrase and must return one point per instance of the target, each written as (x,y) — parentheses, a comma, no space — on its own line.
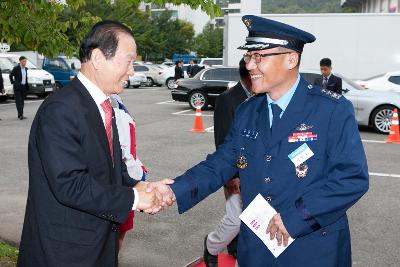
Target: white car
(136,80)
(6,66)
(41,82)
(166,76)
(386,82)
(372,107)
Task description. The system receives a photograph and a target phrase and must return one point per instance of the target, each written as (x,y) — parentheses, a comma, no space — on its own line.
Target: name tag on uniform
(300,155)
(257,217)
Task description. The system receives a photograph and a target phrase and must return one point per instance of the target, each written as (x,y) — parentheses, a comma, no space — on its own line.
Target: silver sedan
(372,108)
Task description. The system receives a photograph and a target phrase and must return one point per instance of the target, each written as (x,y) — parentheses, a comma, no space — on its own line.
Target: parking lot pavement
(167,148)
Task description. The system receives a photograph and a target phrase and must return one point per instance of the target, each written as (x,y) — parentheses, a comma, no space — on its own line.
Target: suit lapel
(262,122)
(95,119)
(293,115)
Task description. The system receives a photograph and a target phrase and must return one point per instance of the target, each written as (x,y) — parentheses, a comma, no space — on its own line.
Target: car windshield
(29,65)
(6,65)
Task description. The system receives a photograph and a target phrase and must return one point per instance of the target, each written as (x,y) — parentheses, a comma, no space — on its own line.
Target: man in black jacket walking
(19,79)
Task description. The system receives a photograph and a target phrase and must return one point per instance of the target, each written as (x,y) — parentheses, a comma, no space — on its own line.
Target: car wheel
(381,119)
(128,84)
(198,98)
(149,82)
(170,83)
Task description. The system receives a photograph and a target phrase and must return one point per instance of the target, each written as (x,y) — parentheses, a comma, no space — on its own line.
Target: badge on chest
(299,158)
(241,162)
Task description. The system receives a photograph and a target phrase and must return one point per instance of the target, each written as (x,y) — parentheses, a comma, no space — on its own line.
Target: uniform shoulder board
(324,92)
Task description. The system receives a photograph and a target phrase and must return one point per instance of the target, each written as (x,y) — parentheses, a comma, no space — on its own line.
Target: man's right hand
(149,202)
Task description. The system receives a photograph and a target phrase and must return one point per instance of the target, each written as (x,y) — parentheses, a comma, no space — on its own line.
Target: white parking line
(171,102)
(373,141)
(26,102)
(210,129)
(384,174)
(180,112)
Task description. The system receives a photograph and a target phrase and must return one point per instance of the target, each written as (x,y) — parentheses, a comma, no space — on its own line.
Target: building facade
(199,18)
(373,6)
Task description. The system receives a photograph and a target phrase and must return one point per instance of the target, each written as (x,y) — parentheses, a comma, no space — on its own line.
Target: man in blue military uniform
(287,117)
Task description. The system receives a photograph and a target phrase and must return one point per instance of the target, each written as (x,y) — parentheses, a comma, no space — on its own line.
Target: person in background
(189,68)
(226,232)
(19,80)
(195,69)
(178,70)
(327,80)
(127,137)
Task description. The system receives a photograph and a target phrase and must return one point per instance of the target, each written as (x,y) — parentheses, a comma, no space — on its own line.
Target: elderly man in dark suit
(19,79)
(79,187)
(327,80)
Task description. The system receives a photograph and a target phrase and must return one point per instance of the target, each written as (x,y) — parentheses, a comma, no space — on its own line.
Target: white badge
(257,216)
(301,154)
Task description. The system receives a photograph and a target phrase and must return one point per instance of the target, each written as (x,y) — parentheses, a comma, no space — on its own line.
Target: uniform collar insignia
(303,127)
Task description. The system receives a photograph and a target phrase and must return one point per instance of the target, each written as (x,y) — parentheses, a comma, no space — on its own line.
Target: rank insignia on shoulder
(310,86)
(331,94)
(249,134)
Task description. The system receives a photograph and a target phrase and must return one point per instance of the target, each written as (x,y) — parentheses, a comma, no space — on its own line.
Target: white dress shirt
(99,97)
(23,73)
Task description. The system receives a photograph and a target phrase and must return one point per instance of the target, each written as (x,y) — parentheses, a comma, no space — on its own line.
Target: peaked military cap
(265,34)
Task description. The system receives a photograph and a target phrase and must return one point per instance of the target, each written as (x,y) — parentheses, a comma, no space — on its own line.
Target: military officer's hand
(278,230)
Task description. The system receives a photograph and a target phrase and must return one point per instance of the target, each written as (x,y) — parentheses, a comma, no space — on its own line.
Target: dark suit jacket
(1,82)
(225,107)
(178,73)
(334,83)
(77,196)
(16,77)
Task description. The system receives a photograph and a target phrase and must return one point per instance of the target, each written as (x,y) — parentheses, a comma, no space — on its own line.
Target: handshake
(155,196)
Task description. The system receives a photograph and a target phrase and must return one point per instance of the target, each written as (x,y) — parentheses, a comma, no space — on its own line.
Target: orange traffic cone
(394,135)
(198,121)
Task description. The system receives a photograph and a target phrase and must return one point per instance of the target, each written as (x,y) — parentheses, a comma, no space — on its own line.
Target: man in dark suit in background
(79,187)
(19,79)
(1,84)
(327,79)
(227,230)
(194,69)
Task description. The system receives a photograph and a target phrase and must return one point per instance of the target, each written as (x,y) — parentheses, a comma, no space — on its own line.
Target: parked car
(205,86)
(389,81)
(6,66)
(166,76)
(62,72)
(41,83)
(136,80)
(73,62)
(209,61)
(372,107)
(151,72)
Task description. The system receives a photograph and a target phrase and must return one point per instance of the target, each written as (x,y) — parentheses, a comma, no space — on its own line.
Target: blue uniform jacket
(313,208)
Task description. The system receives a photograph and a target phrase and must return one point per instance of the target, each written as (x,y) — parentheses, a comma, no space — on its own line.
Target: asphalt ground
(167,148)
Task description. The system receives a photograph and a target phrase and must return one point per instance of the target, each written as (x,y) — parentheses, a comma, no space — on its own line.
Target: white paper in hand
(257,217)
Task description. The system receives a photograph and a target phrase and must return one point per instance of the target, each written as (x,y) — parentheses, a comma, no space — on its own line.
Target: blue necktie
(276,112)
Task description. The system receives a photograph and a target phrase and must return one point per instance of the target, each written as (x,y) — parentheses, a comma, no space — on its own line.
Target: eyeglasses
(247,57)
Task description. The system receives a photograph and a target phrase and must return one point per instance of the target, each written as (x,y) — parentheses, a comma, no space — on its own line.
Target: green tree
(49,27)
(209,43)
